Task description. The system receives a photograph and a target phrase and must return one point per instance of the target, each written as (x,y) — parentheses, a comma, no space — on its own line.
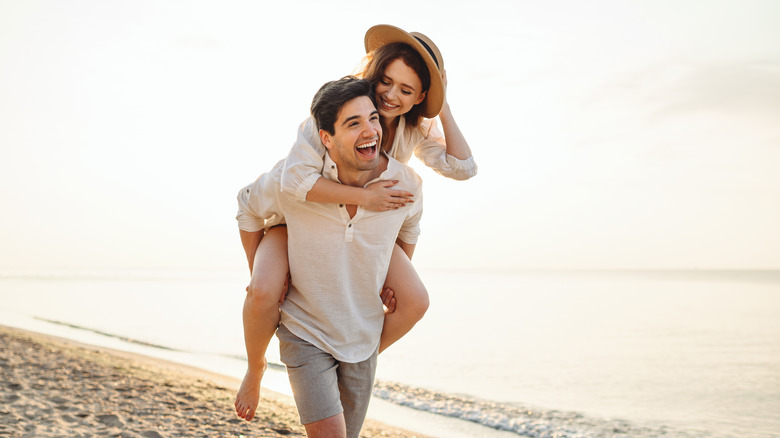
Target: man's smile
(367,149)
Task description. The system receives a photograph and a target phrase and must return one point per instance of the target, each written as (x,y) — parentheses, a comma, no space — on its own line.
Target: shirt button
(332,167)
(350,225)
(341,205)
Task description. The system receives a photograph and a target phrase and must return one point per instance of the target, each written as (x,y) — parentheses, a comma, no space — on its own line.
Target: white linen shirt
(304,162)
(338,264)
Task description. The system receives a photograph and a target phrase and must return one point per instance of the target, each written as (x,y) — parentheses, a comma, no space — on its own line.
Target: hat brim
(383,34)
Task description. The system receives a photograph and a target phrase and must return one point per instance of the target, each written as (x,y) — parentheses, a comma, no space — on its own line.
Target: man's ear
(421,98)
(325,139)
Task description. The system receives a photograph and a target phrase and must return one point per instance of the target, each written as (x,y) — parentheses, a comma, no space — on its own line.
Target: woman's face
(398,90)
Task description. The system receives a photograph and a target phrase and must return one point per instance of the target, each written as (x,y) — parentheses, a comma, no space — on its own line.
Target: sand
(52,387)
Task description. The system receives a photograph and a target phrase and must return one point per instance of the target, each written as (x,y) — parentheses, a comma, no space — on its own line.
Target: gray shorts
(323,386)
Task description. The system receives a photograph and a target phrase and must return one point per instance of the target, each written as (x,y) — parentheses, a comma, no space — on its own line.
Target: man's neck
(360,178)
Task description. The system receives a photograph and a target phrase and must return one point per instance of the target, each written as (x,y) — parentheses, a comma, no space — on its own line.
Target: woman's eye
(406,92)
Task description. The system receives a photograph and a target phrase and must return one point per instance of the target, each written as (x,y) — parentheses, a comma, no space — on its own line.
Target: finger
(386,294)
(391,306)
(401,194)
(397,204)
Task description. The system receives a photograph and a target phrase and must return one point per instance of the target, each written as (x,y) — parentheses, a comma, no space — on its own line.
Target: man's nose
(369,130)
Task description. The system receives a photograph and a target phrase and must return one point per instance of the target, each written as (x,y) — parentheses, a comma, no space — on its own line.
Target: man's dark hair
(333,95)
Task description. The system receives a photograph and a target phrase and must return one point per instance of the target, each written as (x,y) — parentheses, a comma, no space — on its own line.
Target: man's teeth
(367,145)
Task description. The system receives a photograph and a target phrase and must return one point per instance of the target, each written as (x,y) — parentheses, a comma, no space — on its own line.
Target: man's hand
(286,287)
(388,299)
(380,197)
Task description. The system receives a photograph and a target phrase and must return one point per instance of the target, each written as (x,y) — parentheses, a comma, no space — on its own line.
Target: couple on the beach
(330,231)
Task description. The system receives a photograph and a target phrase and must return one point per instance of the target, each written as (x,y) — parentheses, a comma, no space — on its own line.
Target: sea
(499,353)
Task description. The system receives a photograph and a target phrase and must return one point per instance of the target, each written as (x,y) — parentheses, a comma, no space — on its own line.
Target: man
(331,318)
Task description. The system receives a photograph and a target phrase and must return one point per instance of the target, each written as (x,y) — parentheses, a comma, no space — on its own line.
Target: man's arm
(250,240)
(407,248)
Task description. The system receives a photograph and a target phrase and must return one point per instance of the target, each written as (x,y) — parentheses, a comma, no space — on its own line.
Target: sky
(608,134)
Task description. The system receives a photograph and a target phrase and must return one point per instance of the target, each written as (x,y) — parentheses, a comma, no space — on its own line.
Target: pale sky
(609,134)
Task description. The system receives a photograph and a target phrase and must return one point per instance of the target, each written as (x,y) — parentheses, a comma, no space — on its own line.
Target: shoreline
(59,387)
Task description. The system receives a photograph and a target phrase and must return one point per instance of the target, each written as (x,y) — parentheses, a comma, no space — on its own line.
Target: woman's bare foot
(248,396)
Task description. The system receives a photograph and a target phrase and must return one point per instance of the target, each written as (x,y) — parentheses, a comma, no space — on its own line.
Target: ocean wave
(521,420)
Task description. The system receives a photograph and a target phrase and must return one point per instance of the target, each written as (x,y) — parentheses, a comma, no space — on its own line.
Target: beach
(577,355)
(57,387)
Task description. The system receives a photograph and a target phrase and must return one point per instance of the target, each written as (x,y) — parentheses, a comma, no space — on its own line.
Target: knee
(419,305)
(262,294)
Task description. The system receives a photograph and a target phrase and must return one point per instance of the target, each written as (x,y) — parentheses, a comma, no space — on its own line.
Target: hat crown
(431,48)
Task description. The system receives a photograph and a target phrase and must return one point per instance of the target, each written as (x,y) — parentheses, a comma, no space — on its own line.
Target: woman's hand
(380,197)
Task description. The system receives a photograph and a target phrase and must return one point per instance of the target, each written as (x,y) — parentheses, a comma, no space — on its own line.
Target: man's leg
(356,383)
(332,427)
(314,381)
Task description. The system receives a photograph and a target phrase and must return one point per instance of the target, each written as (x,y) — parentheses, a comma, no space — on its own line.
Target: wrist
(362,197)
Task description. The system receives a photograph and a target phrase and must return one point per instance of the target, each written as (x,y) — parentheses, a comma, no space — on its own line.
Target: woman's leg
(410,295)
(261,314)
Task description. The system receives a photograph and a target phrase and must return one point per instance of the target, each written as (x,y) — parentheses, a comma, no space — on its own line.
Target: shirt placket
(349,223)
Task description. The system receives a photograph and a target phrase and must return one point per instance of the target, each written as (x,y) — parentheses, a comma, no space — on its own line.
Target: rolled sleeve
(431,149)
(303,165)
(258,203)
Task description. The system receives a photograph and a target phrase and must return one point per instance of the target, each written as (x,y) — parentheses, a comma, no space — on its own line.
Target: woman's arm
(377,196)
(448,153)
(301,178)
(457,146)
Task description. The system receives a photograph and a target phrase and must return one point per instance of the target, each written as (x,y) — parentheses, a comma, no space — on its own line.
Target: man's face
(354,144)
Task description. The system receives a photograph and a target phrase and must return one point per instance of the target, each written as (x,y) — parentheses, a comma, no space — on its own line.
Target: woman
(409,80)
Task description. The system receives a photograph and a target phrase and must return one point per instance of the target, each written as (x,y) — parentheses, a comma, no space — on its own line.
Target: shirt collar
(331,172)
(329,169)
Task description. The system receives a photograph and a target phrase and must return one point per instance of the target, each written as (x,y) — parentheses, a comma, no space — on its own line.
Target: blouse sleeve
(258,203)
(431,149)
(303,165)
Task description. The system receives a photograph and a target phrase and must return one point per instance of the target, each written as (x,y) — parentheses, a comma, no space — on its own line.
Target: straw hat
(382,34)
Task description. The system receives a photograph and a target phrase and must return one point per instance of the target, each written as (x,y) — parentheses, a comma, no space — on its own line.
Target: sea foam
(522,420)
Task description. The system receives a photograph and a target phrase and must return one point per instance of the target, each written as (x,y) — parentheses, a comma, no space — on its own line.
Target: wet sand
(52,387)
